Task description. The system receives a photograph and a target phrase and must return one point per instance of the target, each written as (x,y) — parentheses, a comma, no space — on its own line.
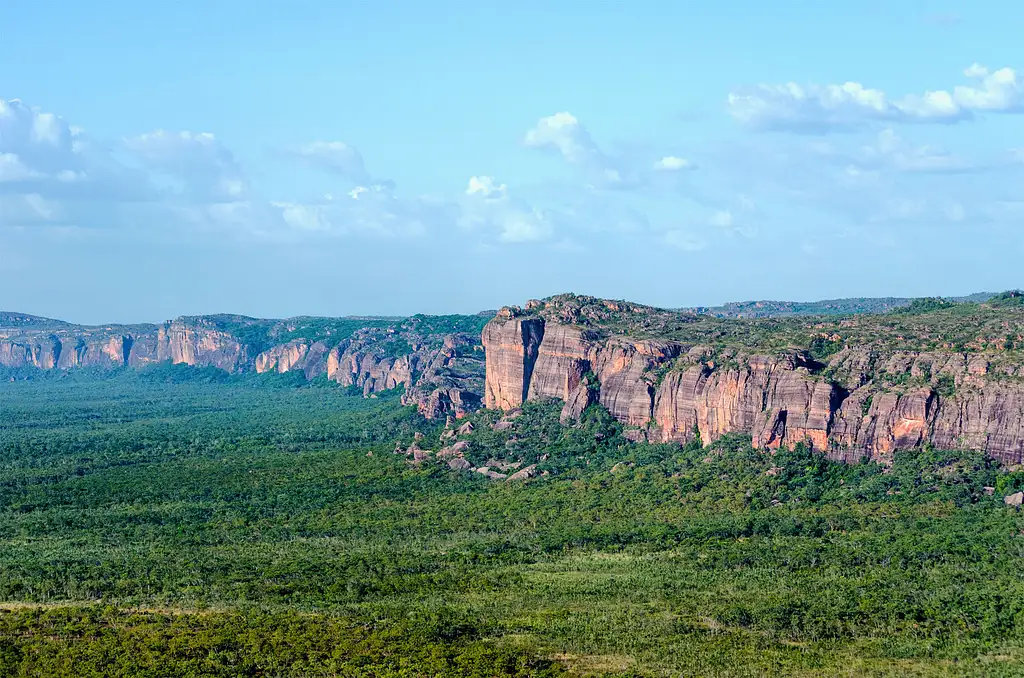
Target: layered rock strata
(667,391)
(441,374)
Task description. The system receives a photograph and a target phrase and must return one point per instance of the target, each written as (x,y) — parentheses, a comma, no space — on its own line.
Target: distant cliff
(930,372)
(437,359)
(850,387)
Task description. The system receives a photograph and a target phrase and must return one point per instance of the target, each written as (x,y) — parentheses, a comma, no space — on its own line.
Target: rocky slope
(874,392)
(437,360)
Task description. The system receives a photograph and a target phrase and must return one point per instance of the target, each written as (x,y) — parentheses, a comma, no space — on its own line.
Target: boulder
(580,398)
(447,453)
(523,474)
(459,464)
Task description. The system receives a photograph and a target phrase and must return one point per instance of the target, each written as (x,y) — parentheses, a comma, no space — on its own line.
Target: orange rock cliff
(441,373)
(668,391)
(864,398)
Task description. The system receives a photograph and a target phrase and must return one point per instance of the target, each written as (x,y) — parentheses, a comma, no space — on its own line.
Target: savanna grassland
(173,522)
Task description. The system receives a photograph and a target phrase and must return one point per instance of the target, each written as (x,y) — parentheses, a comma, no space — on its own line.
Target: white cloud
(489,208)
(52,174)
(369,192)
(47,129)
(564,133)
(1001,91)
(42,143)
(13,169)
(486,187)
(206,169)
(671,163)
(367,212)
(849,106)
(336,157)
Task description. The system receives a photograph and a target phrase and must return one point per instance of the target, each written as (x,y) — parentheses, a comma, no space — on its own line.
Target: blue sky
(331,158)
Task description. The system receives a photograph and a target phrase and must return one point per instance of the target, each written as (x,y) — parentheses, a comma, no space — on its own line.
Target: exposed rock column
(511,345)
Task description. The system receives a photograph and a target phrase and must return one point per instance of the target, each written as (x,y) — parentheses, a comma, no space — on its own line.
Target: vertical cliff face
(624,371)
(38,352)
(368,370)
(191,343)
(673,392)
(527,358)
(441,371)
(300,354)
(66,351)
(511,345)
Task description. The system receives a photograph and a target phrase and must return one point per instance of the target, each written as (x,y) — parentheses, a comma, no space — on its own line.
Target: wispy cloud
(817,109)
(566,135)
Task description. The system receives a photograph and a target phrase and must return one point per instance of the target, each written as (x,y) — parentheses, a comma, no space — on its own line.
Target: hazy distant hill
(848,306)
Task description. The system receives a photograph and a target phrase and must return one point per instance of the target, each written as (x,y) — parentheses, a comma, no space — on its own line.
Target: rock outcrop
(511,347)
(182,341)
(674,392)
(299,354)
(442,373)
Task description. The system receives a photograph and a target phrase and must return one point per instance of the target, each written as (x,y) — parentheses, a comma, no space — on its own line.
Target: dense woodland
(180,522)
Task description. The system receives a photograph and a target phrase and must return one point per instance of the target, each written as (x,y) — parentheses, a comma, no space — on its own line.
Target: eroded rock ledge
(441,371)
(675,391)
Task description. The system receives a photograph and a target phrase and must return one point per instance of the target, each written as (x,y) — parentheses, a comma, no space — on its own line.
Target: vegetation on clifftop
(925,324)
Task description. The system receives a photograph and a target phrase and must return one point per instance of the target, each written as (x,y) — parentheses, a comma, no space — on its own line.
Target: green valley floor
(167,523)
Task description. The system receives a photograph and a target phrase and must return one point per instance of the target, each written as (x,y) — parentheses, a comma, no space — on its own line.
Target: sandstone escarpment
(300,354)
(862,402)
(511,346)
(442,373)
(450,378)
(202,345)
(65,351)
